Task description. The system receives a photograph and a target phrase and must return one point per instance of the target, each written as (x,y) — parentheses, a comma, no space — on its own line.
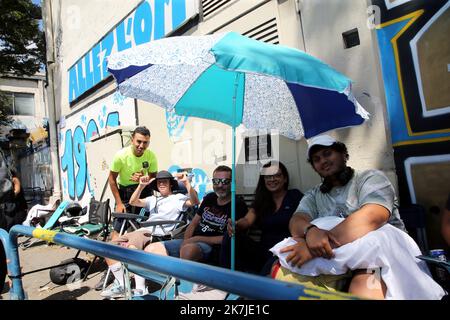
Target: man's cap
(163,174)
(322,140)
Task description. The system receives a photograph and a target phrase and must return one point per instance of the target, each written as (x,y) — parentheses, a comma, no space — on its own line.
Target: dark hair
(141,130)
(337,146)
(264,203)
(222,169)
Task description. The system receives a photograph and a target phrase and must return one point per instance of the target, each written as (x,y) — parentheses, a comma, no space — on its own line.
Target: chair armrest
(126,215)
(161,222)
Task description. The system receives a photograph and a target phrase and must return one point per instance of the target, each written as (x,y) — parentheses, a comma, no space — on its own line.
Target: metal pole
(243,284)
(233,174)
(12,260)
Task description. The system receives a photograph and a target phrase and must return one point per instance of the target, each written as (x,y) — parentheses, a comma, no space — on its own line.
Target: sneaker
(202,292)
(116,291)
(137,294)
(99,285)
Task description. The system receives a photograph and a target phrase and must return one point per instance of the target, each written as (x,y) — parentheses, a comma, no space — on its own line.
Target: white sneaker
(138,292)
(202,292)
(116,291)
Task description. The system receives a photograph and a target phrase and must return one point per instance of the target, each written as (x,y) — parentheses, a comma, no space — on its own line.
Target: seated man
(364,232)
(204,234)
(168,206)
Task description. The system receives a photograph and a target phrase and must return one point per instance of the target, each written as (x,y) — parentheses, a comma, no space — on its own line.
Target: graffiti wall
(78,128)
(415,61)
(200,180)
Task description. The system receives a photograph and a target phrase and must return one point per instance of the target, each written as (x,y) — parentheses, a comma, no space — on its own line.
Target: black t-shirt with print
(214,218)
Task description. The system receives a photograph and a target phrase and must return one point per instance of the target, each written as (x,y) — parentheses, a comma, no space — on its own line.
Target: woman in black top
(271,211)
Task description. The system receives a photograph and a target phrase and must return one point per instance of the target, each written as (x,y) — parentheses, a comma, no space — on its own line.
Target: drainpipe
(51,65)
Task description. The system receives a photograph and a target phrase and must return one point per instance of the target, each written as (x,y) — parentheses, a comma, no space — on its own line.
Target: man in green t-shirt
(128,165)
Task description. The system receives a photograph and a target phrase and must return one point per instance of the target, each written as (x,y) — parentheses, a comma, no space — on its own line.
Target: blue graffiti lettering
(96,65)
(199,181)
(91,130)
(107,45)
(160,7)
(135,29)
(74,160)
(79,152)
(73,84)
(67,164)
(178,12)
(142,28)
(122,44)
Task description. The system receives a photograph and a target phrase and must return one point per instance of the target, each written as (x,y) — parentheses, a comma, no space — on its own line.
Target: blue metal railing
(243,284)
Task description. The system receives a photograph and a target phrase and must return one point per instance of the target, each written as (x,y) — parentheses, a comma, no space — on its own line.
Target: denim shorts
(173,248)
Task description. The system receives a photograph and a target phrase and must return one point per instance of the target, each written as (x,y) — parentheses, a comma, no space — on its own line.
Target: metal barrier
(243,284)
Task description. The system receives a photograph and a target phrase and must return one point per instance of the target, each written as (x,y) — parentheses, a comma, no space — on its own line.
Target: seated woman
(167,206)
(271,211)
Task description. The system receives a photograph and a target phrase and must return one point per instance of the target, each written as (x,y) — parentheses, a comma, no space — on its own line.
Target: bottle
(145,168)
(439,254)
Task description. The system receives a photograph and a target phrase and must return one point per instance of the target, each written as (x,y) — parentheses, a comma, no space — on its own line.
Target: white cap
(323,140)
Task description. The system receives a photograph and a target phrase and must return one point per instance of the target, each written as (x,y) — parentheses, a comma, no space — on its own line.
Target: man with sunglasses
(204,234)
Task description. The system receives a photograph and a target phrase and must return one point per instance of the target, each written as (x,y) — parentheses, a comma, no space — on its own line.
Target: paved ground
(38,286)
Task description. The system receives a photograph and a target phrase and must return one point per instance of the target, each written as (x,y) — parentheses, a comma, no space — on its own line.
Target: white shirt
(165,208)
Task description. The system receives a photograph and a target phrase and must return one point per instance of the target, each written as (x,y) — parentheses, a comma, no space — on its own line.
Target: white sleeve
(150,203)
(181,201)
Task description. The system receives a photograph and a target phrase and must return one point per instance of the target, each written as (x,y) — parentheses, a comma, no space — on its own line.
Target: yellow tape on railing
(44,234)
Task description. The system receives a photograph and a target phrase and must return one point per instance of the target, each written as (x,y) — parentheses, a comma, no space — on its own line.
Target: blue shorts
(173,248)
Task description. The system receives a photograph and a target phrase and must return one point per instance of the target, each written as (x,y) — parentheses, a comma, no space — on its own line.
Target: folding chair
(55,215)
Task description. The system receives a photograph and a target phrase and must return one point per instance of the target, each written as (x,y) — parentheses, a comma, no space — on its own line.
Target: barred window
(20,104)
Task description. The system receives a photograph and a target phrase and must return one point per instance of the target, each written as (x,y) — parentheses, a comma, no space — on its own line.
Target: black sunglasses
(223,181)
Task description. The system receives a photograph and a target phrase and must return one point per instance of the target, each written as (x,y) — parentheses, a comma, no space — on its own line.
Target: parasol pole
(233,172)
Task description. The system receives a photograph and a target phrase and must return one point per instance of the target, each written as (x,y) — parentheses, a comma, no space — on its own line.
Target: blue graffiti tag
(74,160)
(199,182)
(175,124)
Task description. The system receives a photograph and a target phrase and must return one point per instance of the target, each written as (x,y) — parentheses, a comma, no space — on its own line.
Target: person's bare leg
(156,248)
(368,285)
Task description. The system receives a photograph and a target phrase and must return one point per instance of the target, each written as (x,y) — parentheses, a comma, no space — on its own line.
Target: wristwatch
(307,228)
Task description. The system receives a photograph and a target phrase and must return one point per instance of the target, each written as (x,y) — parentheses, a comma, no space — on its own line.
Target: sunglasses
(223,181)
(273,176)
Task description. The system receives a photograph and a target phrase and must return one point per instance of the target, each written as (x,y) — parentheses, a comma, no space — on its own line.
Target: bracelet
(305,232)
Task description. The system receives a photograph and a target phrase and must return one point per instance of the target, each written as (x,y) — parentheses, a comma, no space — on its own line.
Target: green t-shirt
(370,186)
(126,163)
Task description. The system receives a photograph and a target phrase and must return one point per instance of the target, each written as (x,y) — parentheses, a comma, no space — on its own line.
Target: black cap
(163,174)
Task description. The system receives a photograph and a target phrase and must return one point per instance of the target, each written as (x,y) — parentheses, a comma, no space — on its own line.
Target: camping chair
(97,225)
(176,230)
(136,223)
(64,218)
(54,216)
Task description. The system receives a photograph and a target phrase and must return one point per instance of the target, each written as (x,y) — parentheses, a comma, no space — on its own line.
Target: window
(351,38)
(20,104)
